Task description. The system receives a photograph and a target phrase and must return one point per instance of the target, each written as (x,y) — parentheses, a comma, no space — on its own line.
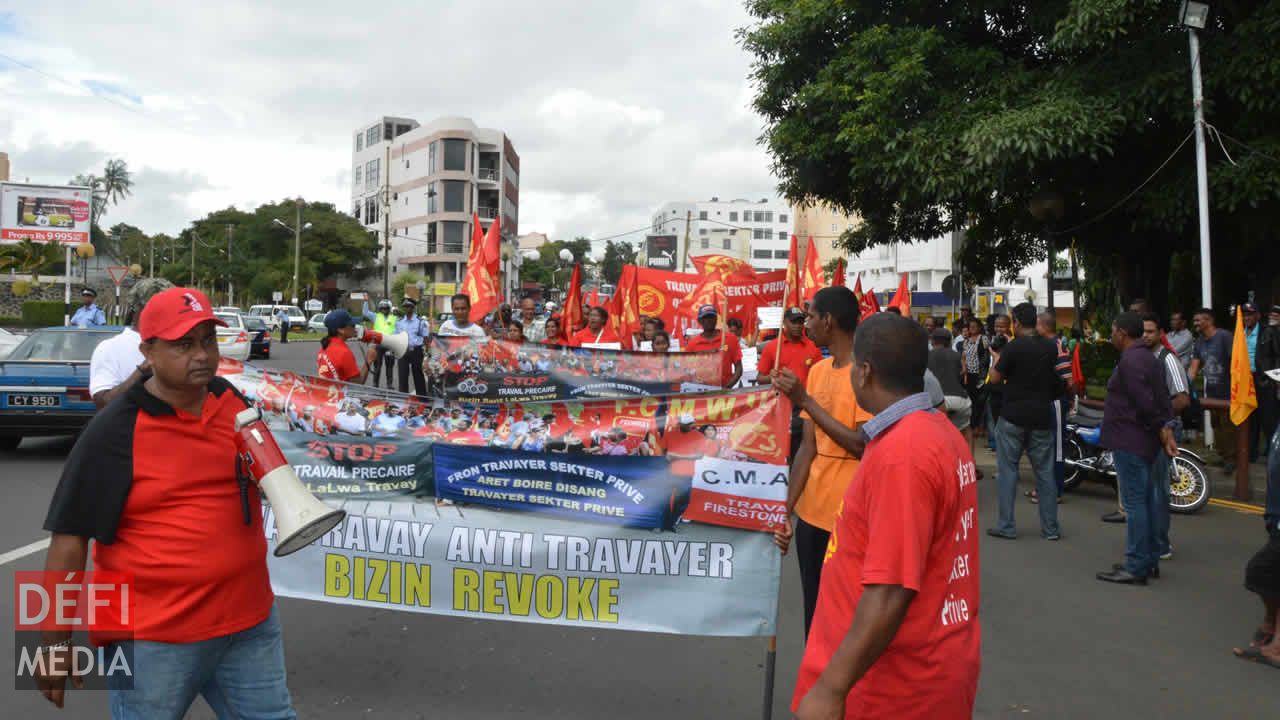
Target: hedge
(43,313)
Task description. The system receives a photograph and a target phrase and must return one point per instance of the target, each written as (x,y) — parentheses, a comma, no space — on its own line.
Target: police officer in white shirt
(117,363)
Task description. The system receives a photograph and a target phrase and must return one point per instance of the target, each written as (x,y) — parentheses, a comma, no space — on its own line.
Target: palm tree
(117,181)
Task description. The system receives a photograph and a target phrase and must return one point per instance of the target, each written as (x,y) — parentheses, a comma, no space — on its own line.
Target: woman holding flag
(597,330)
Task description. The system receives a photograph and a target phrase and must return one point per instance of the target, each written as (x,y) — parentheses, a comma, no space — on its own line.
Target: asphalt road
(1056,642)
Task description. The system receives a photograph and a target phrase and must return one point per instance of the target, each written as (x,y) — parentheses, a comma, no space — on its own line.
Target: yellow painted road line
(1237,505)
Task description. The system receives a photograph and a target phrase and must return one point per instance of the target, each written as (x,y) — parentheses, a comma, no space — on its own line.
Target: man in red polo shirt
(896,631)
(714,340)
(152,482)
(797,354)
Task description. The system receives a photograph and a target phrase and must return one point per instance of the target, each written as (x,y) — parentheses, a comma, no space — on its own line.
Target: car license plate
(34,401)
(223,340)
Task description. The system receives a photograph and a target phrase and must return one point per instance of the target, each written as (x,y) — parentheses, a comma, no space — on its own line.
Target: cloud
(614,108)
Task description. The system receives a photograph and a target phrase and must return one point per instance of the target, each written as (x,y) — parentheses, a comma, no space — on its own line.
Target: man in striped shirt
(1175,377)
(1058,409)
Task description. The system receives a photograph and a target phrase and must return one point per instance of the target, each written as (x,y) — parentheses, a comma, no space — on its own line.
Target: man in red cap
(714,340)
(152,482)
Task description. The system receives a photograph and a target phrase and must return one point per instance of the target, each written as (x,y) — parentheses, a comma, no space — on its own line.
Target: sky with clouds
(614,107)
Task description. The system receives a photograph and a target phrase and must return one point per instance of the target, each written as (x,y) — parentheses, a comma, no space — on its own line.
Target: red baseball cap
(171,314)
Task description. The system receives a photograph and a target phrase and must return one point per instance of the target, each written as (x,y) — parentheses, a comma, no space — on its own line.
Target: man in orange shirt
(713,340)
(152,482)
(831,441)
(794,351)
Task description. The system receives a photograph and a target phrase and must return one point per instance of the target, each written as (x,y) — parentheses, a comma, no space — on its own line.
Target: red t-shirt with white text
(908,518)
(336,362)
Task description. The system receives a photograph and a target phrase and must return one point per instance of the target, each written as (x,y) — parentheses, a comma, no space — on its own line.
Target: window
(357,178)
(702,231)
(406,162)
(758,234)
(768,216)
(371,137)
(355,211)
(431,198)
(782,236)
(370,210)
(834,243)
(433,243)
(781,254)
(372,173)
(431,159)
(359,142)
(702,214)
(706,243)
(728,243)
(733,216)
(388,131)
(448,272)
(454,233)
(455,195)
(833,227)
(761,254)
(455,154)
(759,216)
(401,129)
(782,217)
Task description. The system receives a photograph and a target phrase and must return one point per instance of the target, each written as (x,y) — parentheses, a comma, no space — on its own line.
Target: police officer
(384,321)
(88,314)
(418,331)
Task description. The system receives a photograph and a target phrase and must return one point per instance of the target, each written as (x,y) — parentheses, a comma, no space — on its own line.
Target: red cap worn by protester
(172,313)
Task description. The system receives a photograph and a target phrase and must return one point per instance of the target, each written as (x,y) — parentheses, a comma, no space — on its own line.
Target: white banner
(44,213)
(751,496)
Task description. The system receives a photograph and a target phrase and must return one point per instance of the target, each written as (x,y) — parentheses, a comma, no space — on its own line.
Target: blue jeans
(1011,441)
(1058,415)
(240,675)
(1133,474)
(1160,469)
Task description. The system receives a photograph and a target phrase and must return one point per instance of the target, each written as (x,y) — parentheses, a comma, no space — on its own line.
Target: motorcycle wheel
(1189,486)
(1072,452)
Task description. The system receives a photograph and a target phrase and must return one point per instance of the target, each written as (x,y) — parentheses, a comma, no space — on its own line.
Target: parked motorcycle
(1189,486)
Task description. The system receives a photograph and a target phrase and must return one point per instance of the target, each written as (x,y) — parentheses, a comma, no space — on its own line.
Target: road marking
(24,551)
(1238,506)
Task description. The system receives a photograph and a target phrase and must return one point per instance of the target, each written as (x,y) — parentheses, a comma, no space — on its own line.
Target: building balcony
(487,174)
(486,213)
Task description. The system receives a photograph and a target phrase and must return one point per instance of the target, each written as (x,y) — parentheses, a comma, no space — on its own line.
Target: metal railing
(486,213)
(452,248)
(490,174)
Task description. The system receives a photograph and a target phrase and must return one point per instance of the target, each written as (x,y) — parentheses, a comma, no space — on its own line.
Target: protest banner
(661,294)
(637,492)
(751,496)
(417,557)
(498,371)
(369,468)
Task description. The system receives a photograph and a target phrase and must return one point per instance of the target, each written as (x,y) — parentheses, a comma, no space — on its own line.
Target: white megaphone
(397,344)
(301,519)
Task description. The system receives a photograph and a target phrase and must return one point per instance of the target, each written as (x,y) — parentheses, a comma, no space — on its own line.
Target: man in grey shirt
(1181,339)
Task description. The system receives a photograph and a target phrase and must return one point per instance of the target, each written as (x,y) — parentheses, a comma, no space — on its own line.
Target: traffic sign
(118,273)
(277,296)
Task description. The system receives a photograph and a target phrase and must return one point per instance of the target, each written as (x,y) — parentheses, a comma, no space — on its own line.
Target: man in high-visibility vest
(384,321)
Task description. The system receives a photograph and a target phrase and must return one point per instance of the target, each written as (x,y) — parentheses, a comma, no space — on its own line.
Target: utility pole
(386,224)
(1202,173)
(231,289)
(151,262)
(684,261)
(297,247)
(193,258)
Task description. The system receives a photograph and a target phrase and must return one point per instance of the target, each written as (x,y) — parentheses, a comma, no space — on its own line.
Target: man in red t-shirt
(797,353)
(713,340)
(152,485)
(896,632)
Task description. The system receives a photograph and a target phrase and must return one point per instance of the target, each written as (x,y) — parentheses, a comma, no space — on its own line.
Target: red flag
(624,306)
(812,279)
(572,315)
(1077,372)
(722,264)
(492,246)
(594,299)
(837,278)
(476,251)
(902,298)
(868,304)
(857,288)
(791,295)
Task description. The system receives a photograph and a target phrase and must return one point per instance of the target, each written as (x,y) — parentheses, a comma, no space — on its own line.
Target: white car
(316,323)
(271,314)
(9,341)
(233,340)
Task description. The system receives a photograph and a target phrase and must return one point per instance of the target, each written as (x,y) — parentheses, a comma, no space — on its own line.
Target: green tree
(548,270)
(115,182)
(615,256)
(923,118)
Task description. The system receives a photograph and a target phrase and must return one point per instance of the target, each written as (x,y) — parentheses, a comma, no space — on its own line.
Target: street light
(297,245)
(1195,16)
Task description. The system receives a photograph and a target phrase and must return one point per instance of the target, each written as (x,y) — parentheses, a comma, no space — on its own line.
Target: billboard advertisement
(660,251)
(44,213)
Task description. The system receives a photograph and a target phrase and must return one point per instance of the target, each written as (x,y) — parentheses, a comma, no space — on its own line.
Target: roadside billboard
(660,252)
(44,213)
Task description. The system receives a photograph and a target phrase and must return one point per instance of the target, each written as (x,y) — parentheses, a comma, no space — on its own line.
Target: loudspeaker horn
(301,518)
(397,344)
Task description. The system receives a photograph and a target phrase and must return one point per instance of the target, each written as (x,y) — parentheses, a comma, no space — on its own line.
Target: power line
(1130,194)
(92,92)
(1215,131)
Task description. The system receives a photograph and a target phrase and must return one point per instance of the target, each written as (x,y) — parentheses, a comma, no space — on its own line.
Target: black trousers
(811,550)
(412,362)
(383,364)
(797,434)
(284,332)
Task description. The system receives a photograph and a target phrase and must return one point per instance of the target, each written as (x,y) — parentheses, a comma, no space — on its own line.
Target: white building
(764,231)
(422,184)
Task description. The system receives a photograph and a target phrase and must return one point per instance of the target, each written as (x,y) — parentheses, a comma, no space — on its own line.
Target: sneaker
(1168,554)
(1053,537)
(1003,536)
